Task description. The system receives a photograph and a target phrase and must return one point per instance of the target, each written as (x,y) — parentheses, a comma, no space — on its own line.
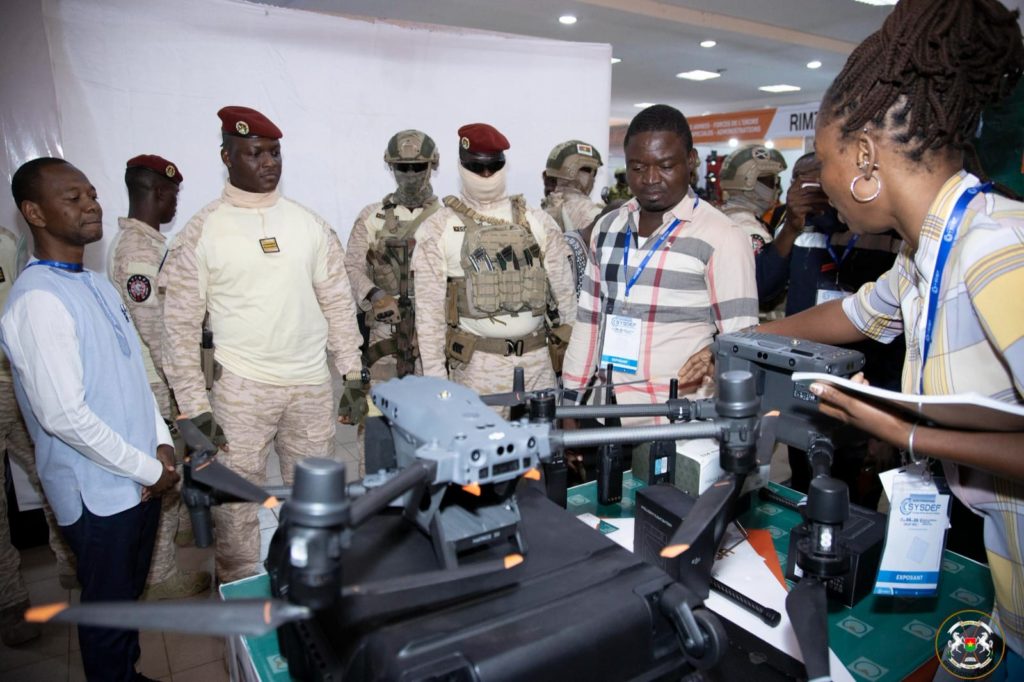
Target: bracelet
(910,444)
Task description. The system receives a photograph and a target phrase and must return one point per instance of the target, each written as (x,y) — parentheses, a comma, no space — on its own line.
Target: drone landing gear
(455,530)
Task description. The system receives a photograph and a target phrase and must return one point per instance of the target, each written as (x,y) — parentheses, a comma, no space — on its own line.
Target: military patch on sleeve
(139,288)
(758,242)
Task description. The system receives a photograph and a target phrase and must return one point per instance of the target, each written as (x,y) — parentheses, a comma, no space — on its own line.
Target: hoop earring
(865,200)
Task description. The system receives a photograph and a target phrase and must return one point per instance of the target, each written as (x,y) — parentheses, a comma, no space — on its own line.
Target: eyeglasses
(410,167)
(481,167)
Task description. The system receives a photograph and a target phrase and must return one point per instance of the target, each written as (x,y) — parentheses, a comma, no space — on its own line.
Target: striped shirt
(699,283)
(977,346)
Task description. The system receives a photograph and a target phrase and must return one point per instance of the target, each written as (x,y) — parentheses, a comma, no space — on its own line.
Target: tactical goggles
(411,167)
(481,167)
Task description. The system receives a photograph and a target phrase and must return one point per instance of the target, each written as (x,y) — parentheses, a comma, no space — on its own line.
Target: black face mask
(480,167)
(411,167)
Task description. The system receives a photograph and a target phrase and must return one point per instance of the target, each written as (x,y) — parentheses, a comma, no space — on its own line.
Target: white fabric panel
(148,76)
(28,105)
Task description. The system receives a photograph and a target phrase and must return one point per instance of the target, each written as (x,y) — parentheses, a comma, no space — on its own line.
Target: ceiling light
(698,75)
(878,3)
(733,142)
(567,19)
(643,105)
(707,43)
(769,144)
(705,113)
(615,60)
(814,65)
(782,87)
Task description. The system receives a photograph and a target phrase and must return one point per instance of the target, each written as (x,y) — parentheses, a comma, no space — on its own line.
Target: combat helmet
(567,159)
(411,146)
(743,167)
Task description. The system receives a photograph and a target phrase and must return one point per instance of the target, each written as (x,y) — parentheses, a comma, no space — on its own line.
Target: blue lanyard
(945,246)
(61,265)
(643,264)
(849,247)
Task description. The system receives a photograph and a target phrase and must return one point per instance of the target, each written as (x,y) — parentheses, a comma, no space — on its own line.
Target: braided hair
(926,75)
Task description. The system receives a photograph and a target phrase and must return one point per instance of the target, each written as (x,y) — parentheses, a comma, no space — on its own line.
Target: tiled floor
(165,656)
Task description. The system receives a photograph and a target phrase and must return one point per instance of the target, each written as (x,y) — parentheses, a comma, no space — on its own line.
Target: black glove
(210,428)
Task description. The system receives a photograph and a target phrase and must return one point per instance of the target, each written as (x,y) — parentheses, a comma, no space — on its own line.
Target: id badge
(825,295)
(622,344)
(914,537)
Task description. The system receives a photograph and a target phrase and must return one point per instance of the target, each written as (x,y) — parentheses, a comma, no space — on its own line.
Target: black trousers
(113,554)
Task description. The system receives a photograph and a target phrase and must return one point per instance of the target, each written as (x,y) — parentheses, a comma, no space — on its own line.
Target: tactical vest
(389,255)
(504,271)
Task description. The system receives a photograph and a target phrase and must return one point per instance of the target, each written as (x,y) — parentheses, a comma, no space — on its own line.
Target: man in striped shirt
(670,271)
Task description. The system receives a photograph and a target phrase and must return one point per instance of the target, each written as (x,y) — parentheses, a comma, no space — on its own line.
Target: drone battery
(655,462)
(660,509)
(864,536)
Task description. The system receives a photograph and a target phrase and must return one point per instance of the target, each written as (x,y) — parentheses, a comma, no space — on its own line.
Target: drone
(450,561)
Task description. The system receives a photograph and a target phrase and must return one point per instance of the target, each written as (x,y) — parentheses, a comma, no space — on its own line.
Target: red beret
(157,164)
(246,122)
(482,138)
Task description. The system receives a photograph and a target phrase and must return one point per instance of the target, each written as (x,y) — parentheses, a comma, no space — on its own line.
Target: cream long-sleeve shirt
(271,274)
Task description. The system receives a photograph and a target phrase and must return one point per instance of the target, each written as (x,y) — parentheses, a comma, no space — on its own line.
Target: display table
(881,638)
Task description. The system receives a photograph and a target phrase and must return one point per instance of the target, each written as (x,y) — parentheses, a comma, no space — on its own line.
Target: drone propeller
(205,469)
(422,590)
(808,612)
(207,617)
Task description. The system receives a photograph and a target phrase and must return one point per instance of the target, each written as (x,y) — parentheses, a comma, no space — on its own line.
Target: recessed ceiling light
(814,65)
(707,43)
(567,19)
(782,87)
(769,144)
(705,113)
(698,75)
(643,105)
(878,2)
(615,60)
(733,142)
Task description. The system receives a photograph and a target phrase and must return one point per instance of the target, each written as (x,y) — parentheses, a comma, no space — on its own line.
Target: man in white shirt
(102,448)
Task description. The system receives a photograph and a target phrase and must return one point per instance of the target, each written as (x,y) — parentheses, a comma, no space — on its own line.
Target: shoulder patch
(458,228)
(139,288)
(758,242)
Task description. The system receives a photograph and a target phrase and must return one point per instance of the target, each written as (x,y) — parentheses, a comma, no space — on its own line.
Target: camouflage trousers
(298,420)
(383,370)
(489,373)
(164,565)
(15,441)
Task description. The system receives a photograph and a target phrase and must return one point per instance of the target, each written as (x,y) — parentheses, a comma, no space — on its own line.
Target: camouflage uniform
(438,258)
(14,440)
(136,257)
(275,316)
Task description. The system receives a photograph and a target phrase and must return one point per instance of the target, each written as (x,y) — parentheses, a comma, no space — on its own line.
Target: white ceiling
(760,42)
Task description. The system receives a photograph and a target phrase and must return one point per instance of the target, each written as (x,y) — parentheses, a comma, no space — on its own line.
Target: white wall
(148,76)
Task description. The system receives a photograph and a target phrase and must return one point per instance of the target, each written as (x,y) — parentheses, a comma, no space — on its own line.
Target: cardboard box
(697,467)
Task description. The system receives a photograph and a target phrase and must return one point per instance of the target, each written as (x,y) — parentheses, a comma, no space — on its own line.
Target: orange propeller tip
(271,502)
(42,614)
(266,612)
(532,474)
(672,551)
(773,413)
(513,560)
(472,489)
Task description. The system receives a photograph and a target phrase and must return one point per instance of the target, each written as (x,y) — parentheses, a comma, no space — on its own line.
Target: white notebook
(964,411)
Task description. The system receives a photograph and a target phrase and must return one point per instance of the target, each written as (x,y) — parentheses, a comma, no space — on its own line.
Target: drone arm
(635,434)
(421,471)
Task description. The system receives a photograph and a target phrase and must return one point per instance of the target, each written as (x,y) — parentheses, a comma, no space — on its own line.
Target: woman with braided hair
(894,140)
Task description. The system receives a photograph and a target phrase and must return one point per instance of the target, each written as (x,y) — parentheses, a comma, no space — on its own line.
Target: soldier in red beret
(135,259)
(492,277)
(270,274)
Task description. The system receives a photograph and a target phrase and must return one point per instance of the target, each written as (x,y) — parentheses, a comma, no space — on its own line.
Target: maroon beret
(482,138)
(157,164)
(246,122)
